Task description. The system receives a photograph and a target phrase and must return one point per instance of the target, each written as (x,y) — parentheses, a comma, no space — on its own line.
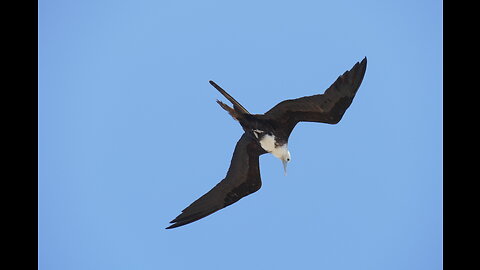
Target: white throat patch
(268,144)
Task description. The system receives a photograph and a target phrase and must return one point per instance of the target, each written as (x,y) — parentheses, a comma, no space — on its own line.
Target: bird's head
(278,149)
(285,159)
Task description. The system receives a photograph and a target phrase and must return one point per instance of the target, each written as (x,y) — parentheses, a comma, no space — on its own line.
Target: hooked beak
(284,166)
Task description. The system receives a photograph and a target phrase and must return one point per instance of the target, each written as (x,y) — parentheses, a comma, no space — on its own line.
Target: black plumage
(243,176)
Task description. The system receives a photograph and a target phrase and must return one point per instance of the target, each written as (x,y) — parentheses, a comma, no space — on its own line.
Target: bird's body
(269,133)
(269,143)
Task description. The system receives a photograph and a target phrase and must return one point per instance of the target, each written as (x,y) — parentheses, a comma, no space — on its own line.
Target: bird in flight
(269,133)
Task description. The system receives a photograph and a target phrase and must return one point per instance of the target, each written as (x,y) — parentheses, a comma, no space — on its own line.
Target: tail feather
(230,110)
(236,106)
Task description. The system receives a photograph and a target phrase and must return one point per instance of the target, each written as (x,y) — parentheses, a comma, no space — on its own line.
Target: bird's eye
(288,159)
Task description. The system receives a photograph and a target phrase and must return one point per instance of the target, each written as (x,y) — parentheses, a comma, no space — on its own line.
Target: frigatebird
(269,133)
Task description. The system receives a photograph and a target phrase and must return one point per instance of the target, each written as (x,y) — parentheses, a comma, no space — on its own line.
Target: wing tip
(364,61)
(171,226)
(177,223)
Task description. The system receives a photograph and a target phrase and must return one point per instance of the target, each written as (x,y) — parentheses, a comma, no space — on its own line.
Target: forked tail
(230,110)
(237,107)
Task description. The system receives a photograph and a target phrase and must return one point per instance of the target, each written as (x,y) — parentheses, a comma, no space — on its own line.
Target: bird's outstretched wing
(328,107)
(243,178)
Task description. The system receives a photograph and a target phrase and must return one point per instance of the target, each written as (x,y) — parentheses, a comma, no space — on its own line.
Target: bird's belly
(268,143)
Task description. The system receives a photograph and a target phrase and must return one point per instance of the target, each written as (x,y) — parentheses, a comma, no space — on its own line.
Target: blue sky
(130,134)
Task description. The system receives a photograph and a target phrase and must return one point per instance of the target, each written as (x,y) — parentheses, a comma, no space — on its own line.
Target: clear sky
(130,134)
